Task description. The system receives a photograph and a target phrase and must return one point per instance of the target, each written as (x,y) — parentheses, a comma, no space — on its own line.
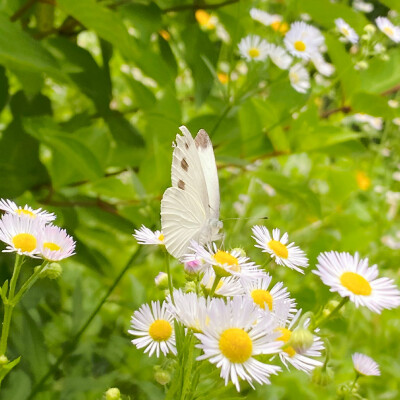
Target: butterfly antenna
(227,219)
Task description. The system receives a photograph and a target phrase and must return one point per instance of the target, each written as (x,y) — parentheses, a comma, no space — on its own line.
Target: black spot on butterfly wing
(202,139)
(181,184)
(184,164)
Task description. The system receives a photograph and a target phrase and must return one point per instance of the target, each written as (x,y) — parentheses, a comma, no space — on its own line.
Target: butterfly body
(190,208)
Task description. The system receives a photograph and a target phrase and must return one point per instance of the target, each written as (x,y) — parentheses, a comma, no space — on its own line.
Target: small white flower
(284,254)
(234,335)
(279,56)
(253,48)
(21,234)
(346,30)
(268,299)
(265,18)
(55,244)
(10,207)
(351,277)
(374,122)
(146,236)
(396,121)
(390,30)
(323,67)
(155,326)
(393,103)
(299,78)
(190,309)
(225,263)
(363,6)
(301,359)
(303,40)
(365,365)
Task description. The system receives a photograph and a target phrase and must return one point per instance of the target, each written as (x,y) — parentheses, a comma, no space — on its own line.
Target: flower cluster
(244,324)
(30,232)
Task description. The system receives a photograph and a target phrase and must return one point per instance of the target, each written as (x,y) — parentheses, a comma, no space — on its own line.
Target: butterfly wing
(185,209)
(182,220)
(207,161)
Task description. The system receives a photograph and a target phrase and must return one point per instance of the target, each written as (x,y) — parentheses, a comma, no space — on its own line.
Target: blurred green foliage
(91,97)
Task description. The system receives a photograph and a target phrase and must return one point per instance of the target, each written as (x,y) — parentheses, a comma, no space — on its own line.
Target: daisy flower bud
(52,271)
(301,340)
(370,29)
(162,376)
(3,360)
(161,280)
(322,376)
(113,394)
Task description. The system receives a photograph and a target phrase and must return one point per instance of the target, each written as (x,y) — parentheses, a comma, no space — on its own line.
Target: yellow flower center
(51,246)
(223,78)
(235,344)
(254,52)
(295,77)
(24,242)
(203,18)
(388,31)
(278,248)
(161,238)
(25,212)
(281,27)
(285,337)
(345,32)
(356,283)
(261,296)
(160,330)
(363,180)
(299,45)
(223,257)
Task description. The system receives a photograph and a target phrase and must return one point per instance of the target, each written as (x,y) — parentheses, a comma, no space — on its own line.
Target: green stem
(170,284)
(30,282)
(9,304)
(214,285)
(355,381)
(323,320)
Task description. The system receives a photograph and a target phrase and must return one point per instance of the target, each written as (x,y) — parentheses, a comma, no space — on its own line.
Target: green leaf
(73,151)
(19,50)
(372,104)
(3,88)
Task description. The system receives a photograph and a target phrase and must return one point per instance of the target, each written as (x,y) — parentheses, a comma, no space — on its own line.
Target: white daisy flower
(229,286)
(232,339)
(365,365)
(268,299)
(351,277)
(323,67)
(226,263)
(299,78)
(390,30)
(190,309)
(155,326)
(279,56)
(300,357)
(253,48)
(284,254)
(146,236)
(363,6)
(21,234)
(265,18)
(55,244)
(374,122)
(346,30)
(303,40)
(10,207)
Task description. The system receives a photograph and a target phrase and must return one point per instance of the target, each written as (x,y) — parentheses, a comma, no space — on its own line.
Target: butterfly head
(215,227)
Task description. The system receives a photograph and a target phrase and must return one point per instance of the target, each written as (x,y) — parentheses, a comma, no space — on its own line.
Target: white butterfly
(190,208)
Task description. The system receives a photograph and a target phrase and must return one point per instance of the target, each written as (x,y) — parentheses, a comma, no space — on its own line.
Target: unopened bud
(322,376)
(361,65)
(190,287)
(385,57)
(370,29)
(301,340)
(51,271)
(113,394)
(193,267)
(162,376)
(161,280)
(3,360)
